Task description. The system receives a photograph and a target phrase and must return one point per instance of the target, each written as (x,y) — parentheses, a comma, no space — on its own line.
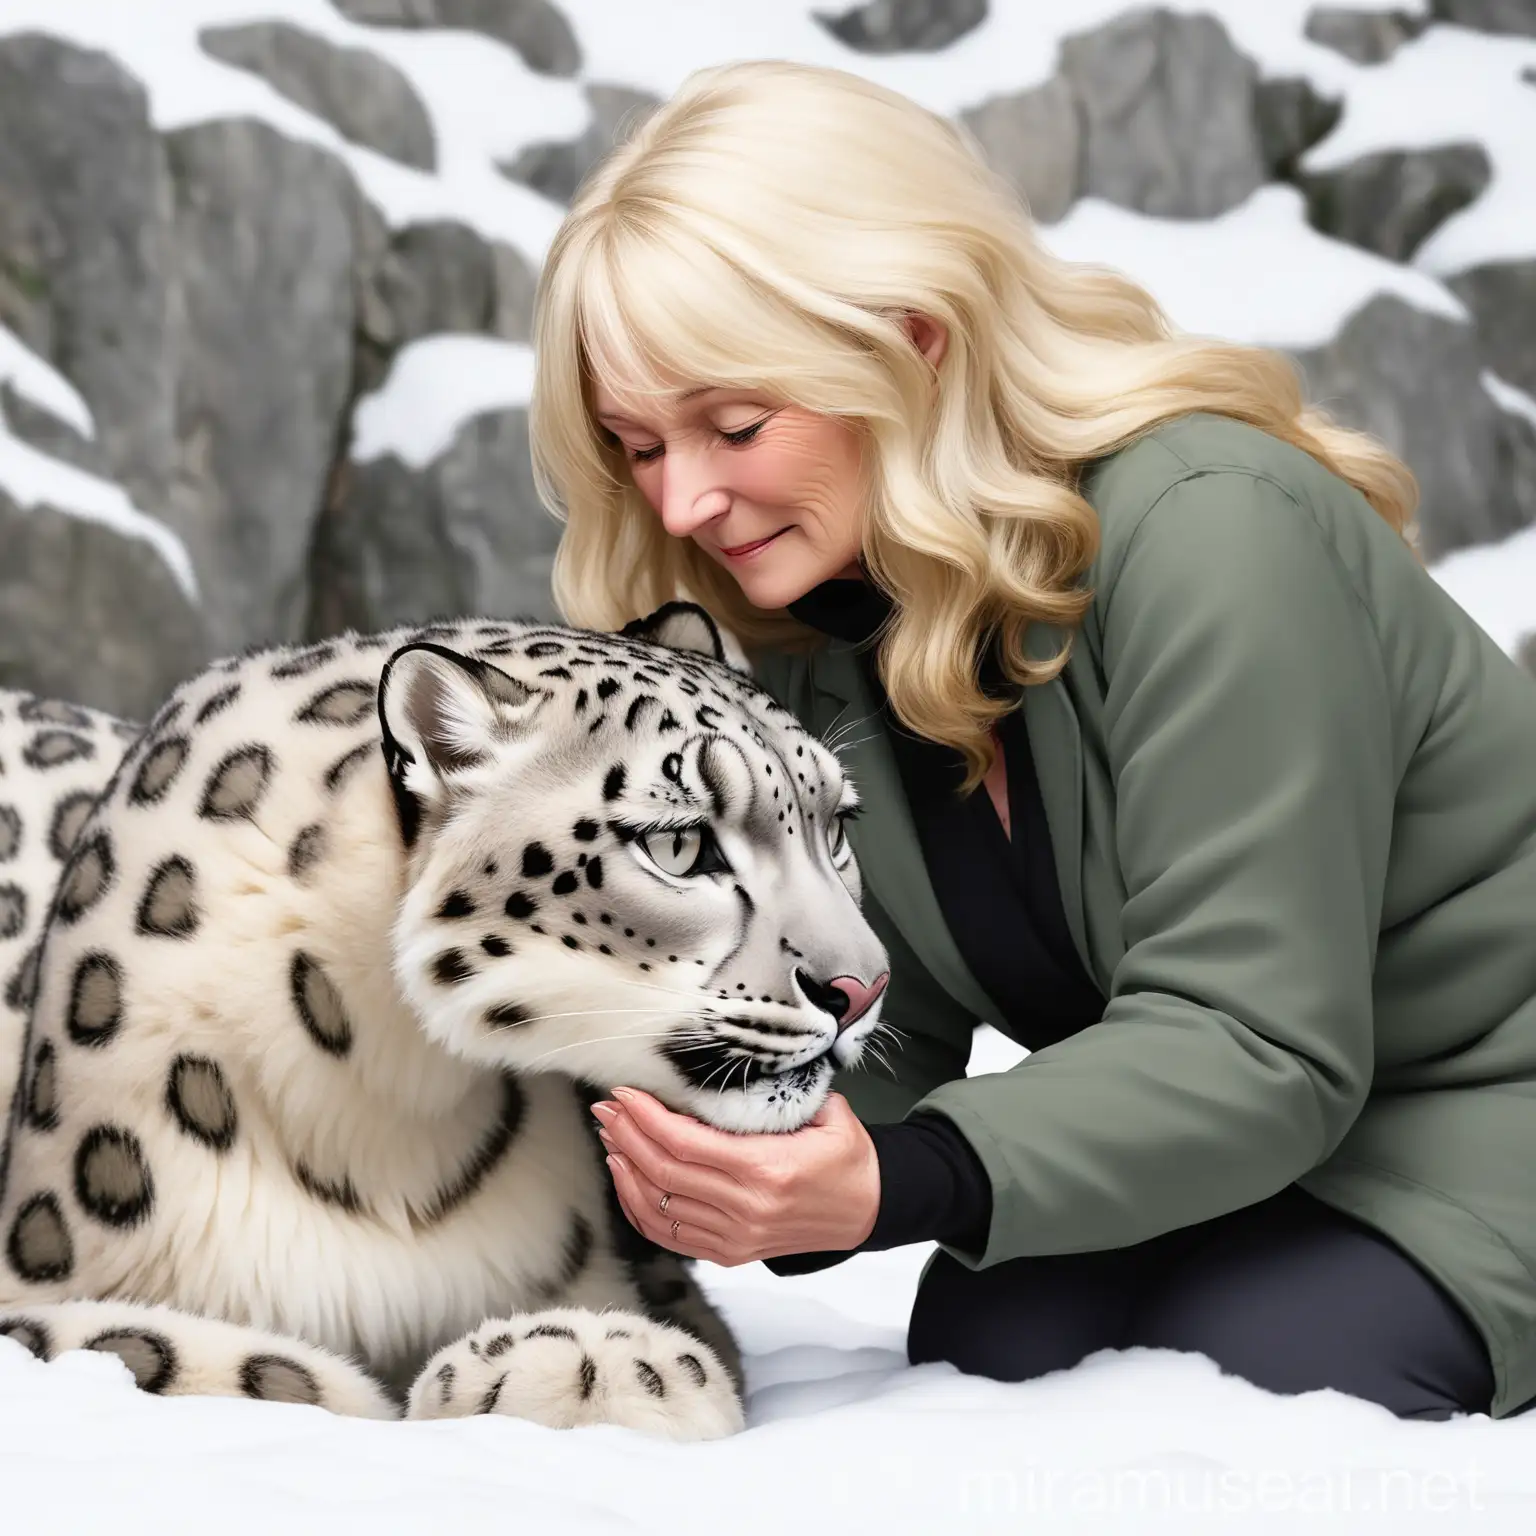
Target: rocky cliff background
(266,269)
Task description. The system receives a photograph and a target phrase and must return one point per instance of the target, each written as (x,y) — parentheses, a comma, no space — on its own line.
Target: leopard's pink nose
(861,996)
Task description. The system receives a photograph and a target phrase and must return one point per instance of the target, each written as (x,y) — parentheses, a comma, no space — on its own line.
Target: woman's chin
(776,579)
(769,589)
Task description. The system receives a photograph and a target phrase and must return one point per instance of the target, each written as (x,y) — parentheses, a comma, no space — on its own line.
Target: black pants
(1288,1294)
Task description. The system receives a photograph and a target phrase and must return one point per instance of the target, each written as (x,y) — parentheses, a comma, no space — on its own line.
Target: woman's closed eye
(646,455)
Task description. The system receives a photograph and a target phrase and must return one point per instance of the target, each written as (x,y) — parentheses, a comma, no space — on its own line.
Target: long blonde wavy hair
(768,228)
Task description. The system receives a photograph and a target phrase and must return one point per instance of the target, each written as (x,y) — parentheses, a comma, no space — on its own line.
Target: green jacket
(1291,789)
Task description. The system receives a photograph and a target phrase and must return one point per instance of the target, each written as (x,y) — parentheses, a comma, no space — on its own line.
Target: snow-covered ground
(840,1431)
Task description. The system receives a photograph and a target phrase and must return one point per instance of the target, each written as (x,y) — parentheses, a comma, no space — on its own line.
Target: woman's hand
(737,1198)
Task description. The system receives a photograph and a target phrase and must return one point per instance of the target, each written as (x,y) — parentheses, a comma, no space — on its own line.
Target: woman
(1254,875)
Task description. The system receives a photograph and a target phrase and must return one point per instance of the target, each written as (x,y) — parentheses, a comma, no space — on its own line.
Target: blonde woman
(1176,765)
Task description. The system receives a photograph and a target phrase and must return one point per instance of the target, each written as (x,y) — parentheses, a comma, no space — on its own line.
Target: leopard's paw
(567,1366)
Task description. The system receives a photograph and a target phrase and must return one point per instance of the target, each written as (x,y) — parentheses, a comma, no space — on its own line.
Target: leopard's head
(629,864)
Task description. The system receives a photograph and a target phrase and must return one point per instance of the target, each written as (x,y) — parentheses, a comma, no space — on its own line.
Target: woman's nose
(688,499)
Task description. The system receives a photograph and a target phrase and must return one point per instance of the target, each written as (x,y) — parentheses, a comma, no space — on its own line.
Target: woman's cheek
(647,480)
(773,472)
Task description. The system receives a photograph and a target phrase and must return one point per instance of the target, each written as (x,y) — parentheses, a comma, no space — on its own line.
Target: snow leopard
(312,981)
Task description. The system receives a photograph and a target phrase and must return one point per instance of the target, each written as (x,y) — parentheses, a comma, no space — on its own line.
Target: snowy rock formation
(267,269)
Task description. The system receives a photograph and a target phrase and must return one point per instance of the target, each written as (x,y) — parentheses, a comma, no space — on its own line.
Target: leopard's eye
(842,849)
(683,851)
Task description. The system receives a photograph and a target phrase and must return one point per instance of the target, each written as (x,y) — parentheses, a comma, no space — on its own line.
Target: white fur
(541,1377)
(233,1240)
(33,796)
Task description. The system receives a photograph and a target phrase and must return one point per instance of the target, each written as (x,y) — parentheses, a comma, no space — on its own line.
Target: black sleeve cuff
(933,1188)
(808,1263)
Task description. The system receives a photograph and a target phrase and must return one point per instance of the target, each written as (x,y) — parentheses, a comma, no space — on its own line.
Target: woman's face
(771,492)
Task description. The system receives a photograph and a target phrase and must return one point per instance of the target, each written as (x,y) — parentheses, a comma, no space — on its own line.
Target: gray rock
(1513,18)
(904,26)
(1393,201)
(363,97)
(1292,116)
(1516,444)
(1032,139)
(535,28)
(435,277)
(431,278)
(86,255)
(516,286)
(1170,122)
(1502,298)
(1413,380)
(266,245)
(41,429)
(555,168)
(466,535)
(390,13)
(1366,37)
(216,295)
(1117,123)
(91,615)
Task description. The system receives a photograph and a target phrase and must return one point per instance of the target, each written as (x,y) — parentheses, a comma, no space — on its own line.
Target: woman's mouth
(746,551)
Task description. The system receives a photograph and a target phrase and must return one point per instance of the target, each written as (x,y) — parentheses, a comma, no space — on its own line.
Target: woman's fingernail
(604,1137)
(604,1112)
(622,1093)
(616,1160)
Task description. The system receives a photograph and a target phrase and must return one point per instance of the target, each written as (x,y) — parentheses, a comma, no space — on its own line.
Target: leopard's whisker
(830,740)
(844,746)
(838,716)
(571,1045)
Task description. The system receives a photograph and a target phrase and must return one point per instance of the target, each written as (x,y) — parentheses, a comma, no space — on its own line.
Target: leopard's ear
(441,715)
(685,626)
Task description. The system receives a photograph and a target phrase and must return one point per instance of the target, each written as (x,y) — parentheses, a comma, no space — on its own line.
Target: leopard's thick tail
(180,1354)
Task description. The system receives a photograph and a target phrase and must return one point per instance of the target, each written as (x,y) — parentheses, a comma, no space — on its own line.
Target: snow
(840,1430)
(1453,86)
(484,101)
(433,387)
(1496,585)
(1239,279)
(841,1436)
(33,479)
(42,384)
(1012,50)
(1514,401)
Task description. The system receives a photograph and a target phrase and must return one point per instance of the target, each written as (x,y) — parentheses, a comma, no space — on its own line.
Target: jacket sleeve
(1248,734)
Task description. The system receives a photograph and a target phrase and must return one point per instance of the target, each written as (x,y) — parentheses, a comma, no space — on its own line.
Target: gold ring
(663,1205)
(675,1225)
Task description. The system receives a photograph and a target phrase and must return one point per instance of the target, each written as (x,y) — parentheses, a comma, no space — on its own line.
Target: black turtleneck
(1002,905)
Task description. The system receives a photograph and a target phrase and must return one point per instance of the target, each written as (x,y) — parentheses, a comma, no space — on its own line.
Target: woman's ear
(929,336)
